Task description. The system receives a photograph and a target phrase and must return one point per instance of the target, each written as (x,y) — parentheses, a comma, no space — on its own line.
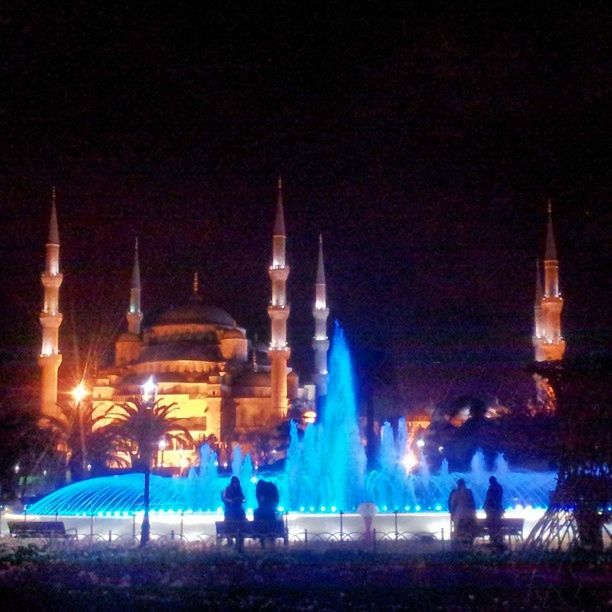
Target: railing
(303,539)
(92,531)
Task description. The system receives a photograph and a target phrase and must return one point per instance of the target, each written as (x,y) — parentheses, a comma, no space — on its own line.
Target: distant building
(197,354)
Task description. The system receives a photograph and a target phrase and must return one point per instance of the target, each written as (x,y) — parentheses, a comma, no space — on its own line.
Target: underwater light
(417,508)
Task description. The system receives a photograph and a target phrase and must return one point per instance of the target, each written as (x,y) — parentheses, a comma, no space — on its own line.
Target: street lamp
(79,393)
(162,445)
(148,397)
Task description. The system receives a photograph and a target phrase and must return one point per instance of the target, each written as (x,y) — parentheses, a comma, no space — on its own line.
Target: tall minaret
(548,341)
(134,314)
(129,345)
(278,310)
(50,358)
(538,324)
(320,312)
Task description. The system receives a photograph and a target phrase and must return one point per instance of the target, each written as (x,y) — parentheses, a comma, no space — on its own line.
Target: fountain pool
(325,472)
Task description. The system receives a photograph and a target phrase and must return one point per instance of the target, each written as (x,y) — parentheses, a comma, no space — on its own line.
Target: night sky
(422,143)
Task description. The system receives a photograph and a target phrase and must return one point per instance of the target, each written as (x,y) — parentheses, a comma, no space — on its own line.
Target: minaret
(278,310)
(320,312)
(129,344)
(548,340)
(538,325)
(134,314)
(50,358)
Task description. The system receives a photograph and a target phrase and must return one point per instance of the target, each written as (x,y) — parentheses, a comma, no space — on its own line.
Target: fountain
(325,471)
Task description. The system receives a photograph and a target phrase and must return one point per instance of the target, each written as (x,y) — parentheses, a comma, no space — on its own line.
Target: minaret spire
(134,314)
(53,229)
(320,312)
(551,248)
(548,339)
(50,318)
(279,222)
(278,311)
(195,288)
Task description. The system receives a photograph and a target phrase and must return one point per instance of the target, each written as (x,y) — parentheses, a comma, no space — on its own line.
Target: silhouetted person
(494,509)
(463,513)
(233,498)
(267,501)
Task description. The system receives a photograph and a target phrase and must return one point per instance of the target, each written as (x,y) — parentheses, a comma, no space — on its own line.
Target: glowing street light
(79,393)
(149,390)
(162,445)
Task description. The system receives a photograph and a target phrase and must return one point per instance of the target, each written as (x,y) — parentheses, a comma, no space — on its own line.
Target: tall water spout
(343,454)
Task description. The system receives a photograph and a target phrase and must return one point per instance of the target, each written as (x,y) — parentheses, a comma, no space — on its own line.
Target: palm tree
(141,425)
(85,428)
(144,423)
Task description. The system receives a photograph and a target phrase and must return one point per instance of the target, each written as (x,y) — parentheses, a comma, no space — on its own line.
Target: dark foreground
(183,579)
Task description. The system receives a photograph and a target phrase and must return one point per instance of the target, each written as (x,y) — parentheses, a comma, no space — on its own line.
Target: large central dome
(194,312)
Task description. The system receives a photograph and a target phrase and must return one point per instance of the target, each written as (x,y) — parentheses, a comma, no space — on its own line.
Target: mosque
(201,360)
(198,356)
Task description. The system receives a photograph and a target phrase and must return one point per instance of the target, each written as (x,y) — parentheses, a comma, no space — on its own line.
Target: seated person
(267,501)
(233,498)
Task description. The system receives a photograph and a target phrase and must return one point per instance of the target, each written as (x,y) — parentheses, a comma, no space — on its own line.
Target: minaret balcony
(283,352)
(50,280)
(279,313)
(50,319)
(320,313)
(278,272)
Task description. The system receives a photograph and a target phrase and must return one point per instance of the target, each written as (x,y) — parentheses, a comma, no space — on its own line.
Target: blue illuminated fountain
(325,471)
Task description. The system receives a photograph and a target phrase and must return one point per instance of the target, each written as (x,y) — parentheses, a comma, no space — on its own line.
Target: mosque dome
(195,312)
(252,378)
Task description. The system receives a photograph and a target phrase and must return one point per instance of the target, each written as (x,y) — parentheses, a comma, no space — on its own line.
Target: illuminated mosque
(197,354)
(201,360)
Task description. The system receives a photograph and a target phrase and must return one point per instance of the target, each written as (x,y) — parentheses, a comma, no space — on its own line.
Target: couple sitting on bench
(266,518)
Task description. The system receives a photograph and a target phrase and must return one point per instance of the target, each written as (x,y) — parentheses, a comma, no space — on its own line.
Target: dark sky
(423,143)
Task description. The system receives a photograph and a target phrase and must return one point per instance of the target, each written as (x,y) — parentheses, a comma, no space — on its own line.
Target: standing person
(233,498)
(462,509)
(494,509)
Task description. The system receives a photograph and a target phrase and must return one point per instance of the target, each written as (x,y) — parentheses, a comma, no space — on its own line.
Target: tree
(140,425)
(81,430)
(25,448)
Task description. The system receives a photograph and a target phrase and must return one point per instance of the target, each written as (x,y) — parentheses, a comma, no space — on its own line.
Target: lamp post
(148,397)
(162,445)
(79,393)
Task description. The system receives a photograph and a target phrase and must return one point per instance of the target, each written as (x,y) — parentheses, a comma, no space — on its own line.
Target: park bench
(243,530)
(41,529)
(510,528)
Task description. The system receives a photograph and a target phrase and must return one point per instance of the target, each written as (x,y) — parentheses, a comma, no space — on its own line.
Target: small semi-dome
(253,378)
(233,333)
(128,337)
(195,312)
